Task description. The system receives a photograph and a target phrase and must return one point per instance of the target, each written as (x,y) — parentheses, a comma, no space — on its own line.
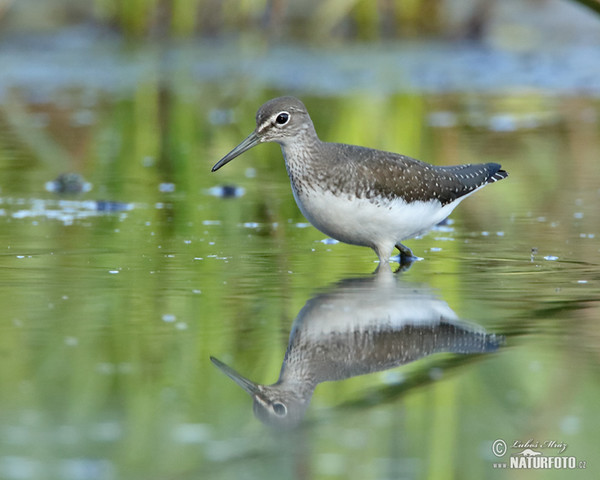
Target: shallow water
(112,314)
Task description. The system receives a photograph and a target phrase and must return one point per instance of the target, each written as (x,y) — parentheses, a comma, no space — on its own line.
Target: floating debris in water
(329,241)
(226,191)
(251,225)
(69,183)
(578,215)
(169,317)
(551,258)
(435,249)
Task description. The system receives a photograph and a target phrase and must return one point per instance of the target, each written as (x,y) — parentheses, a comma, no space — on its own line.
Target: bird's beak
(247,385)
(251,140)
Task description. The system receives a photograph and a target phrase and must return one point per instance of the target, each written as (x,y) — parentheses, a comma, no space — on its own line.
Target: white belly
(379,225)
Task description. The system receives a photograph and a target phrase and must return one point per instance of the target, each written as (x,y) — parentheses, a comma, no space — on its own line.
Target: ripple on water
(64,211)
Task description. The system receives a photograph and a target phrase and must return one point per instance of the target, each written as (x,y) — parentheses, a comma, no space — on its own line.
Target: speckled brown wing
(375,174)
(467,178)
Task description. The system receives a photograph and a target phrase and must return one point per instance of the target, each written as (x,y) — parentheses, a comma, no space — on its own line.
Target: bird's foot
(406,255)
(406,258)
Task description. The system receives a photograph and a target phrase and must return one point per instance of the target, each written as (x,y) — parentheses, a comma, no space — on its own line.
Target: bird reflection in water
(359,326)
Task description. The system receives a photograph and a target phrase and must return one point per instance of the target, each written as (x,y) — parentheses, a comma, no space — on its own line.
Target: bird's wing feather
(390,175)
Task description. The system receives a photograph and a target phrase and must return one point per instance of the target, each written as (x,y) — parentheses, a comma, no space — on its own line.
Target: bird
(359,195)
(355,327)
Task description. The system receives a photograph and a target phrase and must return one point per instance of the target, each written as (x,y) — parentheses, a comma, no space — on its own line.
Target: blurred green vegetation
(357,19)
(518,25)
(307,20)
(109,321)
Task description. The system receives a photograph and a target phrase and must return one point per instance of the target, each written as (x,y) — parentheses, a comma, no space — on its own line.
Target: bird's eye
(282,118)
(280,409)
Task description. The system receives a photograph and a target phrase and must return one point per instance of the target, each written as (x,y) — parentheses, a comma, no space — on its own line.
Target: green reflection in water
(109,319)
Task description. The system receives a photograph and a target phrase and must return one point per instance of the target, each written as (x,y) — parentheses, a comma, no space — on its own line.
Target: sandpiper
(360,195)
(359,326)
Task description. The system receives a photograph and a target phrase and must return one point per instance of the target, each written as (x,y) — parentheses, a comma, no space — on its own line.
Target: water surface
(111,315)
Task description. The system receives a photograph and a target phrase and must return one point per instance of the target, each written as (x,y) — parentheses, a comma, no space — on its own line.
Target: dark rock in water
(69,183)
(73,183)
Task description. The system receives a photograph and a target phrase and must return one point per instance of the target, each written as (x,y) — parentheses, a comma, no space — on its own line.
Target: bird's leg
(406,258)
(405,253)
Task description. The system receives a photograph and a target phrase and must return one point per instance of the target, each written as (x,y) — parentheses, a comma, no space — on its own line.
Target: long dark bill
(243,382)
(250,141)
